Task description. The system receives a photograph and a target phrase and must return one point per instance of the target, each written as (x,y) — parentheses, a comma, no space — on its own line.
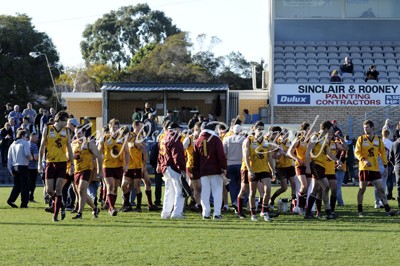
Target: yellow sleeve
(358,149)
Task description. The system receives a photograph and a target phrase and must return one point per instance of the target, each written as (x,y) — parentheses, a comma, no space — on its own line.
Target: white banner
(368,94)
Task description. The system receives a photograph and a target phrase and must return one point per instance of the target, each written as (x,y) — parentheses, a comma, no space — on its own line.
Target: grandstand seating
(313,61)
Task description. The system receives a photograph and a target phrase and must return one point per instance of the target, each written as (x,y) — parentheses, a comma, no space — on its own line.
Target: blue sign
(293,99)
(392,99)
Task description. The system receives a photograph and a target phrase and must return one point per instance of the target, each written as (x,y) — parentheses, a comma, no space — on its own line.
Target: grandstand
(313,61)
(310,38)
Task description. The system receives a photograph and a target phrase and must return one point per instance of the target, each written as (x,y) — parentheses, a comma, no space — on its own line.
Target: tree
(117,36)
(89,79)
(168,62)
(24,77)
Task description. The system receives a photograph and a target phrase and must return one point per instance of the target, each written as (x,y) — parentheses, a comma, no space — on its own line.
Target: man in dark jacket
(209,164)
(394,158)
(171,162)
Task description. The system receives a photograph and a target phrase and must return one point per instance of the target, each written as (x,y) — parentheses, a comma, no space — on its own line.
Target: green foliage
(168,62)
(23,77)
(144,51)
(145,239)
(117,36)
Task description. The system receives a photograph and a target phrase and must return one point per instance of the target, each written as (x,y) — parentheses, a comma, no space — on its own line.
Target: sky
(240,24)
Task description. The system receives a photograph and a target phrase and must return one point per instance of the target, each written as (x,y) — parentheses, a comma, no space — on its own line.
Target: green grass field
(29,237)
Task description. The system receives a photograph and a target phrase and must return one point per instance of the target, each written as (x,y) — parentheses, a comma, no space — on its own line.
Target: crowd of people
(209,167)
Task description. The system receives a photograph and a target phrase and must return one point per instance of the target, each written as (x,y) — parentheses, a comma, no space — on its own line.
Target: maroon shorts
(331,177)
(257,176)
(55,170)
(113,172)
(285,172)
(301,170)
(365,175)
(84,175)
(317,171)
(134,173)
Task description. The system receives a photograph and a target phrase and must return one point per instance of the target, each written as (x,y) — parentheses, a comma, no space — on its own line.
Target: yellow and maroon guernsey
(330,164)
(258,156)
(56,145)
(284,161)
(318,153)
(136,156)
(113,152)
(189,153)
(83,157)
(301,150)
(367,149)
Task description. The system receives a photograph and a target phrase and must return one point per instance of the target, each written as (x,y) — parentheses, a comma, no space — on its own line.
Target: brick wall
(297,115)
(84,108)
(251,105)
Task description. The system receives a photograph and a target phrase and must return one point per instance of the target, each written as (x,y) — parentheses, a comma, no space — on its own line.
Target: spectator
(193,121)
(150,126)
(368,14)
(13,127)
(201,119)
(390,178)
(233,152)
(397,133)
(347,66)
(148,110)
(371,74)
(335,77)
(387,126)
(19,155)
(29,112)
(44,120)
(137,115)
(350,159)
(184,115)
(6,135)
(16,114)
(394,158)
(336,128)
(7,111)
(169,116)
(247,117)
(33,167)
(211,117)
(37,120)
(52,113)
(27,126)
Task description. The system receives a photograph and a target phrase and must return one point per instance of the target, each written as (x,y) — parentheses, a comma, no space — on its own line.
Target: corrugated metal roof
(144,87)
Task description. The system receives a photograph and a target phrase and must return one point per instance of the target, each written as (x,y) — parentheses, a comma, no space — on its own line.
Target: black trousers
(21,179)
(158,184)
(32,182)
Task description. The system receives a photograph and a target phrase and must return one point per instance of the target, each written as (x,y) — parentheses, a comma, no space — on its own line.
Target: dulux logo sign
(293,99)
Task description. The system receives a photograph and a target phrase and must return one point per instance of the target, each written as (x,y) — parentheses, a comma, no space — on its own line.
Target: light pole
(37,54)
